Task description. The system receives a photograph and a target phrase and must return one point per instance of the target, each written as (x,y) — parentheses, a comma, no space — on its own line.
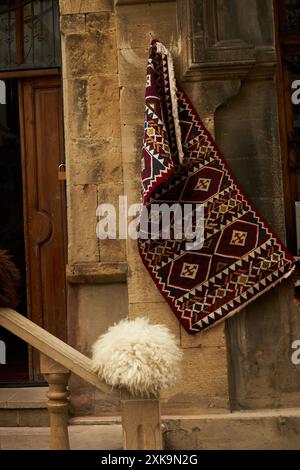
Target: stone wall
(204,371)
(228,71)
(97,293)
(228,61)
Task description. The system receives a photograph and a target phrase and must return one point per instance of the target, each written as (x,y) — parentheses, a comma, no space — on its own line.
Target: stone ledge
(29,397)
(95,420)
(276,429)
(24,417)
(81,438)
(24,407)
(84,6)
(142,2)
(96,273)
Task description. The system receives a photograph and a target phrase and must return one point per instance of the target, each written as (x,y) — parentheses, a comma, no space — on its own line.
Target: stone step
(91,420)
(87,437)
(24,406)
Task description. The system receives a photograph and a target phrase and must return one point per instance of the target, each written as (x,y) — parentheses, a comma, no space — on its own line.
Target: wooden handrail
(141,420)
(51,346)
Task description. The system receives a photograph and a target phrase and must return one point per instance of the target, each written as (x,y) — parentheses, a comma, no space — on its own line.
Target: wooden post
(57,377)
(141,423)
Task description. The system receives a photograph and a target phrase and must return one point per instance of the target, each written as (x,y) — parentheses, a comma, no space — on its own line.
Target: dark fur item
(9,281)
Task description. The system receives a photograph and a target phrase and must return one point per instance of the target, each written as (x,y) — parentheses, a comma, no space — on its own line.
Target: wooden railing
(141,419)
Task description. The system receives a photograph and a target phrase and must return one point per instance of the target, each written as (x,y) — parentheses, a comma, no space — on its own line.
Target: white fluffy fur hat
(138,356)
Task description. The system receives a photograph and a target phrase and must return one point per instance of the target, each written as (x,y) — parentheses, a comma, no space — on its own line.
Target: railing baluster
(57,377)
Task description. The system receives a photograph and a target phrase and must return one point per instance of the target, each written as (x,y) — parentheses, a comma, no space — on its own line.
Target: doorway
(11,223)
(32,197)
(33,211)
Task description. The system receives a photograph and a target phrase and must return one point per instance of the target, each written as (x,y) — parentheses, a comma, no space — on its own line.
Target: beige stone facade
(243,363)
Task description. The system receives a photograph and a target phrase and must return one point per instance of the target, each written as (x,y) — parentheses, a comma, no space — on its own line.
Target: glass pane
(41,33)
(293,14)
(7,35)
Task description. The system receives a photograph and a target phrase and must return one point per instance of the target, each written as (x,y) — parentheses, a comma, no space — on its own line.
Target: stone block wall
(97,292)
(204,383)
(229,76)
(104,48)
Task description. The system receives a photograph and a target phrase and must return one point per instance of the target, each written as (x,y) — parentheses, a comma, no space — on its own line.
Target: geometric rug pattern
(241,257)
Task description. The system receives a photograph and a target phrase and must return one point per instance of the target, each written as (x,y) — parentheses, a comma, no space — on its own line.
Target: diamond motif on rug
(203,184)
(189,270)
(238,238)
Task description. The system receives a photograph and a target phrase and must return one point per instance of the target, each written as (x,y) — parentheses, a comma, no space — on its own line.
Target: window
(29,34)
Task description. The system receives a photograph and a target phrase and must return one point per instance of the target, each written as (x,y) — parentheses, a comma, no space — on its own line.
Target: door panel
(44,204)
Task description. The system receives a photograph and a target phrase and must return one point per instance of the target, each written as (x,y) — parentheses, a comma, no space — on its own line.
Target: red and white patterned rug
(241,257)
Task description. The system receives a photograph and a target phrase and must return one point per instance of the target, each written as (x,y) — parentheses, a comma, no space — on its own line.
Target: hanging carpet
(241,257)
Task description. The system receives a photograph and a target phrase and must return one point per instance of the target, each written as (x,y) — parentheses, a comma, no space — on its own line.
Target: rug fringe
(161,49)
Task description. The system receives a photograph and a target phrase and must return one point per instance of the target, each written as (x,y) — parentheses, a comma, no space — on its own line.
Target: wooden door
(44,205)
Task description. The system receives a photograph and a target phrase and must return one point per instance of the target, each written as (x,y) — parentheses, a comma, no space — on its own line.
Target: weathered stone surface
(72,24)
(132,186)
(94,309)
(262,372)
(209,96)
(141,288)
(272,209)
(213,337)
(101,22)
(88,437)
(113,250)
(83,241)
(274,430)
(95,161)
(157,313)
(204,382)
(90,53)
(107,405)
(75,109)
(104,107)
(131,174)
(133,136)
(97,273)
(109,193)
(256,165)
(24,417)
(84,6)
(138,25)
(132,103)
(98,309)
(132,62)
(101,49)
(257,183)
(120,3)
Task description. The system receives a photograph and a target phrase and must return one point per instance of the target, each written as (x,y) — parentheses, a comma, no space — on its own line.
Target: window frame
(19,38)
